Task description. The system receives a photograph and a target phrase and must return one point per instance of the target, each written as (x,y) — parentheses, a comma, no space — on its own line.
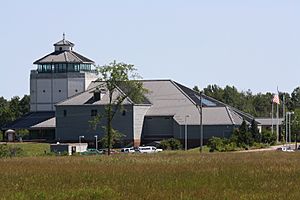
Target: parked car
(92,152)
(285,148)
(105,151)
(128,150)
(149,149)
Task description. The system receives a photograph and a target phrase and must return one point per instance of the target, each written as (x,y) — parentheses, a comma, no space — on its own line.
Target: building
(267,123)
(58,76)
(65,96)
(169,107)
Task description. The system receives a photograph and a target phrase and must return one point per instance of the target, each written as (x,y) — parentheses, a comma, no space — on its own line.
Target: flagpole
(272,118)
(283,115)
(277,124)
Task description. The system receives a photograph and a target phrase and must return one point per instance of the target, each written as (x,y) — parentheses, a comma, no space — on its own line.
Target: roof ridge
(186,95)
(66,56)
(230,116)
(76,56)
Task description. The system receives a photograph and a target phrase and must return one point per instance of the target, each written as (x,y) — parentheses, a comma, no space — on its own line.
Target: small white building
(70,148)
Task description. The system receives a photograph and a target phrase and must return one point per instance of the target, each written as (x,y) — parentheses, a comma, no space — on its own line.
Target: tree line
(258,105)
(14,108)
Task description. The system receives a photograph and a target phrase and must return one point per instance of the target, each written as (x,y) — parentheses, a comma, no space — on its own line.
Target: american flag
(276,99)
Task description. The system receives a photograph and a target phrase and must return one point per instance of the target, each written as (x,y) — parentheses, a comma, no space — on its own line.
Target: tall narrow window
(65,113)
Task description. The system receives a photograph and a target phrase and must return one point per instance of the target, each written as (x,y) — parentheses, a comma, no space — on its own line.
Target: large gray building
(63,101)
(168,108)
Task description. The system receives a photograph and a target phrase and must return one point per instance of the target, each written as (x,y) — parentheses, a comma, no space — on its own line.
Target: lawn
(167,175)
(32,148)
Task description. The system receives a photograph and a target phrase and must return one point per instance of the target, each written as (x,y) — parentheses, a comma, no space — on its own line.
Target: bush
(170,144)
(7,151)
(22,133)
(268,137)
(216,144)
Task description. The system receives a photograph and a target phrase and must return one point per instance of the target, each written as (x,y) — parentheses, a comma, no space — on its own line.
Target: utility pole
(201,123)
(185,133)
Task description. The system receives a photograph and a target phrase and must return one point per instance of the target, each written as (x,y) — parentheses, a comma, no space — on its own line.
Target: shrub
(268,137)
(170,144)
(7,151)
(217,144)
(22,133)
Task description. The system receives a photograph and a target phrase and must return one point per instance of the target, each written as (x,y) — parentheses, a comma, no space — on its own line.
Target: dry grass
(169,175)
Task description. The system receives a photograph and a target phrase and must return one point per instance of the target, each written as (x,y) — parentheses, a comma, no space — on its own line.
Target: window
(124,112)
(65,113)
(93,113)
(60,48)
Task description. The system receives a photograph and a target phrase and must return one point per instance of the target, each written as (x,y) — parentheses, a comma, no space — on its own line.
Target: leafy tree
(196,89)
(295,98)
(295,124)
(13,109)
(115,76)
(214,91)
(255,132)
(242,136)
(24,105)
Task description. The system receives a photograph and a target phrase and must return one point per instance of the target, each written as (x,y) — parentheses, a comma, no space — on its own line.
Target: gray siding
(76,122)
(208,131)
(158,127)
(138,120)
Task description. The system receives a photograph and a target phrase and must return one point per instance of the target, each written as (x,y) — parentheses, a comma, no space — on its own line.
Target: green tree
(196,89)
(118,76)
(242,136)
(256,135)
(24,105)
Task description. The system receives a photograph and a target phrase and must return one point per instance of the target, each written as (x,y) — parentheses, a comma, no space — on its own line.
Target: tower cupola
(63,45)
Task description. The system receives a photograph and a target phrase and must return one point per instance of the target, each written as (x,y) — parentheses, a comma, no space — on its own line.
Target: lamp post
(290,134)
(81,136)
(96,142)
(286,127)
(201,123)
(185,133)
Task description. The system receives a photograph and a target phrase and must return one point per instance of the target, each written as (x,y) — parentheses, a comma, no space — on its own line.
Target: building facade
(66,97)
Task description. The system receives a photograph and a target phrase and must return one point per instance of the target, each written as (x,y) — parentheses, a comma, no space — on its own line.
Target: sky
(249,44)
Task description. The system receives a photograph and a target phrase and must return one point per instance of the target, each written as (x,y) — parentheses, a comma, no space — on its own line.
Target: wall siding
(76,123)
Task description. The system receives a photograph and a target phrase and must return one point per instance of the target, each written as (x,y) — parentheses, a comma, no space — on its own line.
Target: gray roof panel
(63,57)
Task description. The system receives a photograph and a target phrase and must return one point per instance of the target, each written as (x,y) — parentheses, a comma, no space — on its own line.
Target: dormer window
(97,95)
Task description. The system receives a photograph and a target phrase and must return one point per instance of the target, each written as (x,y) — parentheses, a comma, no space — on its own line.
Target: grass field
(32,148)
(168,175)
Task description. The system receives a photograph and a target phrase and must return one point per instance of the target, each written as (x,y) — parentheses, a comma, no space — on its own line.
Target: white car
(149,149)
(128,150)
(287,149)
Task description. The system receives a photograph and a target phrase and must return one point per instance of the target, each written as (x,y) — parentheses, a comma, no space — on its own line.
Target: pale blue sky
(251,44)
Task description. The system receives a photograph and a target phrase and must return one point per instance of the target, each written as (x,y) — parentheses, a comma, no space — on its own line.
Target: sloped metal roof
(31,119)
(170,99)
(268,121)
(49,123)
(64,57)
(64,42)
(86,97)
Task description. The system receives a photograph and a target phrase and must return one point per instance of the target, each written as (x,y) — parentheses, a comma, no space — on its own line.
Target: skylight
(206,102)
